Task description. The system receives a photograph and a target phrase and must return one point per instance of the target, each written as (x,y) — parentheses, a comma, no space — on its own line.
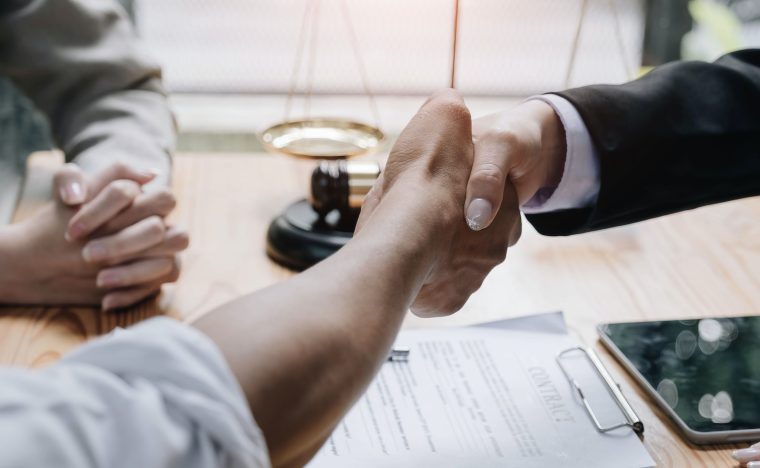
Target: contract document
(483,396)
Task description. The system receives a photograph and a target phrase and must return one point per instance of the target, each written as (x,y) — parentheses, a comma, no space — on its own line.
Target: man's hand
(515,154)
(437,147)
(115,250)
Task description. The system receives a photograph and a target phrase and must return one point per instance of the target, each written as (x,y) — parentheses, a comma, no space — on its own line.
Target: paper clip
(632,420)
(398,355)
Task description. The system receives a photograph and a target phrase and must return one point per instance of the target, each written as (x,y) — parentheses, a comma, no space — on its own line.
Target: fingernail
(72,193)
(108,279)
(94,252)
(478,213)
(753,464)
(745,455)
(75,231)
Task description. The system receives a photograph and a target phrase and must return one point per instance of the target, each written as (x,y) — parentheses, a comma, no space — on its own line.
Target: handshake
(453,185)
(102,241)
(460,184)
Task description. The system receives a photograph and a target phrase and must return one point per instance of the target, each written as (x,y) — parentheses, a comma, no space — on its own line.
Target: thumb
(485,188)
(69,183)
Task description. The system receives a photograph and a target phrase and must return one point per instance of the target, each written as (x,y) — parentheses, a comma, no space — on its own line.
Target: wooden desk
(696,264)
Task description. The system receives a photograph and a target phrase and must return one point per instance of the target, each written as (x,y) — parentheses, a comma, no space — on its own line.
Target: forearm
(10,277)
(330,327)
(685,135)
(92,78)
(5,263)
(132,126)
(157,394)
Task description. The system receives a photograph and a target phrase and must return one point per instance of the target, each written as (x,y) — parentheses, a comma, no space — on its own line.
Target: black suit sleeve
(685,135)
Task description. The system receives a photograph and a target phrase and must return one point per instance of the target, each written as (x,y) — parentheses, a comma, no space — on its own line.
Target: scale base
(300,237)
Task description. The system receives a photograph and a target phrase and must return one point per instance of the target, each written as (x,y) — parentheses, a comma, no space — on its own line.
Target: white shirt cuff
(579,185)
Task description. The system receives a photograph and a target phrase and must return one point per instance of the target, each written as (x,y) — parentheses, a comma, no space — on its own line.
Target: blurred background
(230,64)
(507,47)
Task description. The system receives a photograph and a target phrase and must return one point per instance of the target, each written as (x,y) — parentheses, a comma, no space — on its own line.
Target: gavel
(341,185)
(310,230)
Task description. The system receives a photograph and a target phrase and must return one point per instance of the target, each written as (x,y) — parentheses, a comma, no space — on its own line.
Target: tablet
(705,373)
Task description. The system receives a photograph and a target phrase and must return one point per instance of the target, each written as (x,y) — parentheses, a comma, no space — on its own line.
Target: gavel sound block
(309,231)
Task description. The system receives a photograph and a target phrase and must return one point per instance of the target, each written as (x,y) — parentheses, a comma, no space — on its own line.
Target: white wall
(508,47)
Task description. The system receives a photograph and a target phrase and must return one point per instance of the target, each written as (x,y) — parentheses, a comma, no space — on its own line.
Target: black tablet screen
(707,370)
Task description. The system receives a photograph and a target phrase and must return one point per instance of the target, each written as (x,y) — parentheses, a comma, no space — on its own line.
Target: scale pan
(322,138)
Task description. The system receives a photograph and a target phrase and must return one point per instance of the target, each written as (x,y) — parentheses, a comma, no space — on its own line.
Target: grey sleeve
(83,66)
(157,395)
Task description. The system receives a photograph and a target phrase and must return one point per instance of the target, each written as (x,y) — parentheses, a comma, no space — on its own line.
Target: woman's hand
(749,457)
(102,242)
(126,233)
(524,146)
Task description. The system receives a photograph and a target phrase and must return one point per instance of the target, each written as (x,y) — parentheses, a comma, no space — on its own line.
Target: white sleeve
(579,186)
(157,395)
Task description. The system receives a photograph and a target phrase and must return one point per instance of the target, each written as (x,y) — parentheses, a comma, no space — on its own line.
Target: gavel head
(341,185)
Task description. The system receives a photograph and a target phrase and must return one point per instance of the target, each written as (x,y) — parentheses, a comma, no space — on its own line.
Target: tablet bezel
(696,437)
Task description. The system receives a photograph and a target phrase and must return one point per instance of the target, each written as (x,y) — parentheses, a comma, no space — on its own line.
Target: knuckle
(154,226)
(449,102)
(122,190)
(440,298)
(489,256)
(165,199)
(489,174)
(507,136)
(68,170)
(456,305)
(119,168)
(424,310)
(449,306)
(453,108)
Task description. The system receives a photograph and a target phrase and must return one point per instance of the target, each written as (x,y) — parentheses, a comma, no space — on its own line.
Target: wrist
(11,278)
(553,149)
(414,220)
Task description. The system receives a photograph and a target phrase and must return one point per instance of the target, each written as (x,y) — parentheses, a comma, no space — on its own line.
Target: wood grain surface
(701,263)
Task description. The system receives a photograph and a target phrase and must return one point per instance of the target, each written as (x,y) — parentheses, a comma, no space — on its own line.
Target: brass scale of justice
(312,229)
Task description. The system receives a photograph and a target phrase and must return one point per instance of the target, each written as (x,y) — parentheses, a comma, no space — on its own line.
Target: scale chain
(310,27)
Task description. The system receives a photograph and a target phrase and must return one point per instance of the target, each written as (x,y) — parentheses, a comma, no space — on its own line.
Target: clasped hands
(472,177)
(102,241)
